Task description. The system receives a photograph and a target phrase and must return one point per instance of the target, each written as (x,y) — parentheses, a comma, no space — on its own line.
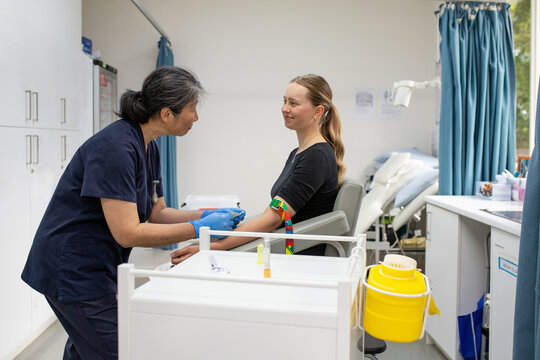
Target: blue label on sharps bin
(508,266)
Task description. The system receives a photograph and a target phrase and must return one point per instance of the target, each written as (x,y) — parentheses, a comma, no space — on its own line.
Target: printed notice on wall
(364,103)
(387,110)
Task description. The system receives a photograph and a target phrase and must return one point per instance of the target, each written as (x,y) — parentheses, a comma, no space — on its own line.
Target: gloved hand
(236,219)
(215,221)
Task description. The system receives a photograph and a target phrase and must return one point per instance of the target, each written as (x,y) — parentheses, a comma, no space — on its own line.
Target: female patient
(309,182)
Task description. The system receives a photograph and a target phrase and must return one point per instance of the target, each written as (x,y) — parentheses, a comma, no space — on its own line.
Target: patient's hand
(182,254)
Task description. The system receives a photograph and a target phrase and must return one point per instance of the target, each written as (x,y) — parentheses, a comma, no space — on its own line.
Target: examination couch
(340,222)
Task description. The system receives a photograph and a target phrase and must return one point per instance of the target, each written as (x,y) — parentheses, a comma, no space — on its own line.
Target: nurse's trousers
(92,327)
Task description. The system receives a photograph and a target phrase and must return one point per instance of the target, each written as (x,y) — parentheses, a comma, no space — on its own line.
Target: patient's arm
(267,222)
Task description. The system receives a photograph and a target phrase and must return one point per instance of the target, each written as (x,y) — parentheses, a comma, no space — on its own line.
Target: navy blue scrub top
(74,256)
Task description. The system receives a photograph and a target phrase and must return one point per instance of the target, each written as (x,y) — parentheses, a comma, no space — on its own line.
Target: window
(521,19)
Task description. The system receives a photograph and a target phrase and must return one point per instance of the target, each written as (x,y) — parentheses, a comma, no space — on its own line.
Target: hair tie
(139,96)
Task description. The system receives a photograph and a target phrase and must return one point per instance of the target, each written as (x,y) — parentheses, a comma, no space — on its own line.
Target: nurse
(309,182)
(108,200)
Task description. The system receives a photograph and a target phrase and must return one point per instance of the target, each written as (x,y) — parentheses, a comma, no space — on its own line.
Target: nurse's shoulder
(115,136)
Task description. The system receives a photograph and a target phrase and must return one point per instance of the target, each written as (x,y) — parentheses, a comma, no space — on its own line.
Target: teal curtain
(527,317)
(478,95)
(167,144)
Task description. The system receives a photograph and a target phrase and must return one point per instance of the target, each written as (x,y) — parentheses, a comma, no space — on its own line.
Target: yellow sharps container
(397,299)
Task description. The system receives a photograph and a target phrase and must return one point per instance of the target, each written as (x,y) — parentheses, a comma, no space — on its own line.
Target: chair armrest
(332,223)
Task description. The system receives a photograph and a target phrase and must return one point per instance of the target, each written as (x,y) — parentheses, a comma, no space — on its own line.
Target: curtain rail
(150,18)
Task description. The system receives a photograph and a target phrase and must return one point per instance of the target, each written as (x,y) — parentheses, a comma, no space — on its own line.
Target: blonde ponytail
(319,93)
(330,124)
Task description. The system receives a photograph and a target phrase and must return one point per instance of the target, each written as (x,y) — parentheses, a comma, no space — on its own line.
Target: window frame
(535,70)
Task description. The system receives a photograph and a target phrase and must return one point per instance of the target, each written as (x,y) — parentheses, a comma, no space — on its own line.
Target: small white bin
(205,202)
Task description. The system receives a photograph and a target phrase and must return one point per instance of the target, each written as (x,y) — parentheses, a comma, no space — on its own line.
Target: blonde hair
(319,93)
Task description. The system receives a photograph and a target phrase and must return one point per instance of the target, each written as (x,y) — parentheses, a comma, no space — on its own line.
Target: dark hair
(319,93)
(166,87)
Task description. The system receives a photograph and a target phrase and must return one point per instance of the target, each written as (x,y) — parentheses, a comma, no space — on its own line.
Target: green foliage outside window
(521,19)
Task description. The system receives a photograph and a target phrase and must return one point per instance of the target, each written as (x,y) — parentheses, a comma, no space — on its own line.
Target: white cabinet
(45,114)
(456,266)
(442,269)
(304,311)
(14,204)
(504,268)
(459,230)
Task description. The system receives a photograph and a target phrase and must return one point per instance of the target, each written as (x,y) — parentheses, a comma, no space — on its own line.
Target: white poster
(387,110)
(364,103)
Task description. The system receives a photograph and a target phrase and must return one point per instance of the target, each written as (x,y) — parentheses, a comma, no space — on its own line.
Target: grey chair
(340,222)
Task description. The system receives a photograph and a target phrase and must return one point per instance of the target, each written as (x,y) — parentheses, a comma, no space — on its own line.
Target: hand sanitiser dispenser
(398,298)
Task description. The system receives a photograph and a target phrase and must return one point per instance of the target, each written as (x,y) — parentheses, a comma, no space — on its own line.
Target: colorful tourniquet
(283,212)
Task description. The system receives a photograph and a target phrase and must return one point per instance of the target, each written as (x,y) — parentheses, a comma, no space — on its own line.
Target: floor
(50,345)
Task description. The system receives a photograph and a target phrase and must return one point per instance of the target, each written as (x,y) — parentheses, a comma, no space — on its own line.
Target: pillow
(428,160)
(421,179)
(385,156)
(391,167)
(400,179)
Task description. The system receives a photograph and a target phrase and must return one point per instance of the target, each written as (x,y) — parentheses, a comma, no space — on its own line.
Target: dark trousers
(92,327)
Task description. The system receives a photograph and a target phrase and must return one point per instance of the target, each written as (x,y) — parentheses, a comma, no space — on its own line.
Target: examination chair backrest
(341,222)
(348,200)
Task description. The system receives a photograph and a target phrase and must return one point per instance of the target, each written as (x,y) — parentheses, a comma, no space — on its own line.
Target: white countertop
(471,207)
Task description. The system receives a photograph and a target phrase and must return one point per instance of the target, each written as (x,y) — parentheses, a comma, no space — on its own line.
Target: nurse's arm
(267,222)
(123,221)
(161,214)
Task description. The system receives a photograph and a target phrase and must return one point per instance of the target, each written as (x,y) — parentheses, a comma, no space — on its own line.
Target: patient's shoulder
(318,155)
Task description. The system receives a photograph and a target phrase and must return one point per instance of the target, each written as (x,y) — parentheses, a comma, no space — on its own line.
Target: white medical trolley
(306,310)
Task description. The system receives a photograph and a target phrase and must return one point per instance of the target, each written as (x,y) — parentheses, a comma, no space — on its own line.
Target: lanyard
(155,195)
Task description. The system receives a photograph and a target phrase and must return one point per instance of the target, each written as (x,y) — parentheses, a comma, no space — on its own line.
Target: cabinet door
(14,220)
(16,60)
(69,143)
(442,250)
(47,58)
(504,269)
(77,93)
(46,167)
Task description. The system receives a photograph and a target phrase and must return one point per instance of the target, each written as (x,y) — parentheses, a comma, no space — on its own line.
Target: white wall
(245,52)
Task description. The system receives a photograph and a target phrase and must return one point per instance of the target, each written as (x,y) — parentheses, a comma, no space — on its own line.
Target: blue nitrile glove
(236,219)
(216,221)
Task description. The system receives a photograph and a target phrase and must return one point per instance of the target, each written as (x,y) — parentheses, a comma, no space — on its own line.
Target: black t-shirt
(309,182)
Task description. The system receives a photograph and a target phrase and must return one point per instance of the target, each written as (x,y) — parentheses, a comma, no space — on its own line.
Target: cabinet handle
(63,141)
(36,150)
(28,149)
(35,108)
(62,110)
(28,105)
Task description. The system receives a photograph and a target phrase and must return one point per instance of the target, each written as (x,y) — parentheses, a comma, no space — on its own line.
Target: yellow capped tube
(266,258)
(260,254)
